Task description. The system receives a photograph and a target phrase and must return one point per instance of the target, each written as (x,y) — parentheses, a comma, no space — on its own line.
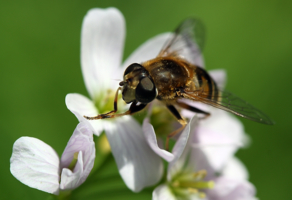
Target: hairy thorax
(170,76)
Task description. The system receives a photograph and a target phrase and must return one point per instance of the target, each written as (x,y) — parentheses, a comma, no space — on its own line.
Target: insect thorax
(169,75)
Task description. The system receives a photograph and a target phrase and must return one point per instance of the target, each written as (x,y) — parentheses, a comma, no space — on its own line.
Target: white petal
(80,105)
(150,136)
(139,166)
(36,164)
(181,150)
(219,76)
(162,192)
(147,50)
(102,42)
(229,189)
(235,169)
(181,143)
(219,136)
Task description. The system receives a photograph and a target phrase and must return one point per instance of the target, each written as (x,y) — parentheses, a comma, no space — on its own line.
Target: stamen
(187,183)
(175,184)
(74,161)
(197,184)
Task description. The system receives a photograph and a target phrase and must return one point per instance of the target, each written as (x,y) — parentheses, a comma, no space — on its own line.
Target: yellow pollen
(202,195)
(193,190)
(200,174)
(211,184)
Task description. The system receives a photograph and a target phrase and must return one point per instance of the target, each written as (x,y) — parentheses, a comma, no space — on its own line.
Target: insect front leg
(133,109)
(102,116)
(174,111)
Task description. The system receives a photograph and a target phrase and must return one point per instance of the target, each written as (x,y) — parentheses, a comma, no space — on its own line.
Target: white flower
(37,165)
(208,169)
(102,41)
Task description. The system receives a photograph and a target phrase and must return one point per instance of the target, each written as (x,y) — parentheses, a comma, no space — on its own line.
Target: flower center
(103,144)
(162,120)
(105,102)
(186,184)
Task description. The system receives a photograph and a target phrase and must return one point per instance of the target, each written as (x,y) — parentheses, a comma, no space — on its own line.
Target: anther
(193,190)
(200,174)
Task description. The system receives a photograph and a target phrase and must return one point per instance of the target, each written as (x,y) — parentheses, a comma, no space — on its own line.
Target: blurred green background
(40,64)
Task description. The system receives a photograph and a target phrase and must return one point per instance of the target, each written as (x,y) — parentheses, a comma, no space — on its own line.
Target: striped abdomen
(207,85)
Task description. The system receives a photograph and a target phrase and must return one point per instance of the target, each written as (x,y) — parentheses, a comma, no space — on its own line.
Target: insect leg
(191,108)
(174,111)
(101,116)
(133,109)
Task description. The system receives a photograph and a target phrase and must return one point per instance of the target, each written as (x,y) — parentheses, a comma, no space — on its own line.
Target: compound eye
(133,67)
(145,90)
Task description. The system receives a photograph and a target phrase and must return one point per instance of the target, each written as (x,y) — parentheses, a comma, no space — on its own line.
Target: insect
(175,74)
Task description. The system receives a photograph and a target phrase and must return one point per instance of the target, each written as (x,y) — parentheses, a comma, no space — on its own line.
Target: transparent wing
(231,103)
(186,42)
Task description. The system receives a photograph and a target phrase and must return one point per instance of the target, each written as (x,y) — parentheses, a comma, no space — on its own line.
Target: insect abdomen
(207,85)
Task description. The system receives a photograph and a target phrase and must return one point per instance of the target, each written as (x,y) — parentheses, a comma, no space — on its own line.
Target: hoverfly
(175,74)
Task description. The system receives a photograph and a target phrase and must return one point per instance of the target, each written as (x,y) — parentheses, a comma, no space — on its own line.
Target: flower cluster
(201,164)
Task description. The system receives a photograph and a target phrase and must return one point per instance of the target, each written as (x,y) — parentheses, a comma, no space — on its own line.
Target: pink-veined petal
(219,76)
(138,165)
(82,142)
(71,180)
(80,105)
(148,50)
(231,189)
(219,136)
(162,192)
(36,164)
(235,169)
(150,136)
(102,42)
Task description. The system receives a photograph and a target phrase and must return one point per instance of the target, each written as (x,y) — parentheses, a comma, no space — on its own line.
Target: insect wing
(231,103)
(186,42)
